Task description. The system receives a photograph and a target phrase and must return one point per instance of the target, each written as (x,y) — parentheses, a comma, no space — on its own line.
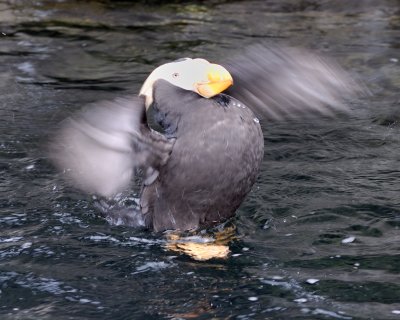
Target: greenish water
(325,206)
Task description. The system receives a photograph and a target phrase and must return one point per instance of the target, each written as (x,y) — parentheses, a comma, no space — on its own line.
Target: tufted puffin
(199,168)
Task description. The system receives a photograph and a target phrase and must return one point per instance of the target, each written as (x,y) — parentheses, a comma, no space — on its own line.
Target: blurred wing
(100,147)
(279,83)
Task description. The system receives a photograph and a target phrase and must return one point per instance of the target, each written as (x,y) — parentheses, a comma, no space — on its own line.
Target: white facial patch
(184,73)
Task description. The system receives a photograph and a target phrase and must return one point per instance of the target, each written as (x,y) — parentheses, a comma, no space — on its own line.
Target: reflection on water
(316,239)
(203,247)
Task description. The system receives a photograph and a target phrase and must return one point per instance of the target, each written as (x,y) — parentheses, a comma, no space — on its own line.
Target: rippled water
(317,238)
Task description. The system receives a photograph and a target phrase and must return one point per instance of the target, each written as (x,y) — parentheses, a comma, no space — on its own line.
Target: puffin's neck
(170,104)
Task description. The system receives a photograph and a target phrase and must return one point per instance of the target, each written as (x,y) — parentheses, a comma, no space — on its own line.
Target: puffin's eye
(175,75)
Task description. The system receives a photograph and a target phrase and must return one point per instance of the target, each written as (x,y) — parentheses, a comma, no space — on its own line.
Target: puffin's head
(197,75)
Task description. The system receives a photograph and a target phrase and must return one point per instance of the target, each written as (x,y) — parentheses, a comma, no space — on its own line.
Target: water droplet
(312,281)
(252,298)
(84,300)
(256,120)
(26,245)
(349,239)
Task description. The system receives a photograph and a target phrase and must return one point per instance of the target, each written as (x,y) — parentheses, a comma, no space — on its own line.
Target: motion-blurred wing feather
(100,147)
(282,83)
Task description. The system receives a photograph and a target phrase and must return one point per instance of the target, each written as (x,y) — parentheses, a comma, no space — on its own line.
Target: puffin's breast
(215,159)
(213,164)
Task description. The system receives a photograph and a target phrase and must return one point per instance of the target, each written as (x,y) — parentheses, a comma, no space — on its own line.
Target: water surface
(325,206)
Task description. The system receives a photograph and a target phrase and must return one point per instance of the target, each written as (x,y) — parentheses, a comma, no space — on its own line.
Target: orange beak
(219,79)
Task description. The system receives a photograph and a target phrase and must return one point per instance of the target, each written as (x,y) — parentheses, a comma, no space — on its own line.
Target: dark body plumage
(214,162)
